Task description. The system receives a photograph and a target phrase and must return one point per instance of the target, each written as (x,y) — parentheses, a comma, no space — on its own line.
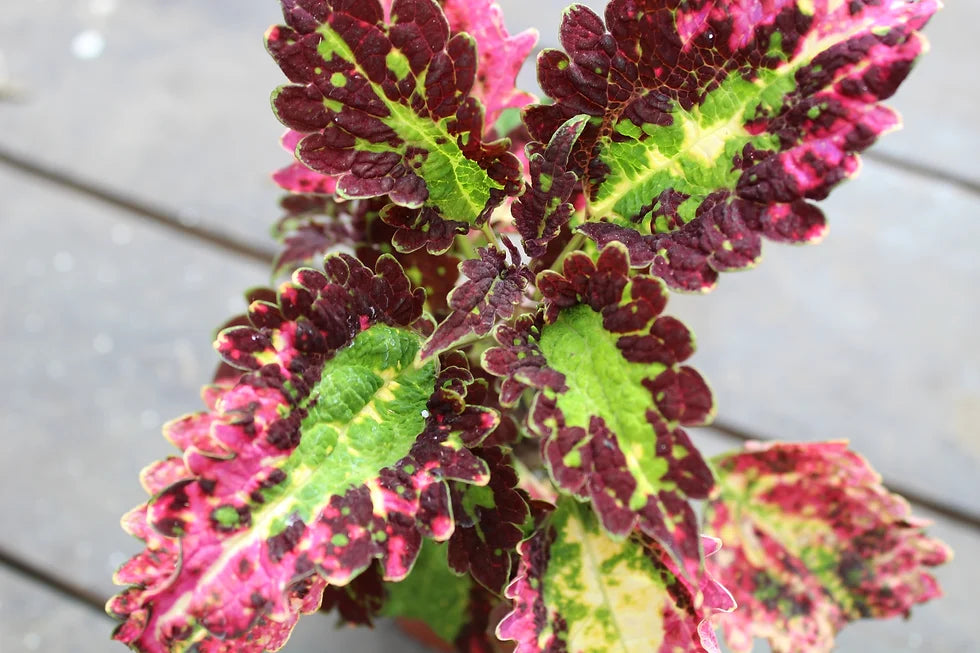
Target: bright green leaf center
(601,383)
(693,155)
(363,415)
(458,187)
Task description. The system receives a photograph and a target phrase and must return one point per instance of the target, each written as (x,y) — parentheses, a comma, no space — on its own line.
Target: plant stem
(573,245)
(490,236)
(464,246)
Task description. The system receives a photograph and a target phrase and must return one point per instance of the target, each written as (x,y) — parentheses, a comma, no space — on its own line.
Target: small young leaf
(610,394)
(579,590)
(491,293)
(713,123)
(387,110)
(545,206)
(813,541)
(315,225)
(331,451)
(489,520)
(500,54)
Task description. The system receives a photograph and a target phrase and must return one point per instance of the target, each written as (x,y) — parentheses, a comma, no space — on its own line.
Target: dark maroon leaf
(386,109)
(545,207)
(492,291)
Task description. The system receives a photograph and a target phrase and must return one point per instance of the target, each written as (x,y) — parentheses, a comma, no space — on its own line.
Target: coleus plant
(467,405)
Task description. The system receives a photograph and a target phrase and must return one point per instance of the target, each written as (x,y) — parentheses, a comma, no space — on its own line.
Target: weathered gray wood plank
(32,618)
(108,325)
(173,110)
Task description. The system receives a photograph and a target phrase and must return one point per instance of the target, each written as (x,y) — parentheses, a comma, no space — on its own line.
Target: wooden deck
(135,207)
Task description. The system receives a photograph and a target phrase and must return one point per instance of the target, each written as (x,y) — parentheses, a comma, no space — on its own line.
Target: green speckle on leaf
(776,45)
(227,516)
(398,63)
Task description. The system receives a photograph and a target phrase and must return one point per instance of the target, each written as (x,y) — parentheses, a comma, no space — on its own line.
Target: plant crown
(473,412)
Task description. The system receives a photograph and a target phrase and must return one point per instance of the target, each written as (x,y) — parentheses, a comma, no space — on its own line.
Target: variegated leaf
(812,541)
(491,293)
(385,107)
(332,450)
(546,205)
(579,590)
(489,522)
(610,396)
(714,122)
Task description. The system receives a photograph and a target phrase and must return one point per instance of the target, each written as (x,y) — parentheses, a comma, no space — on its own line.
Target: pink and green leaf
(385,107)
(331,451)
(813,541)
(714,123)
(579,590)
(500,55)
(610,394)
